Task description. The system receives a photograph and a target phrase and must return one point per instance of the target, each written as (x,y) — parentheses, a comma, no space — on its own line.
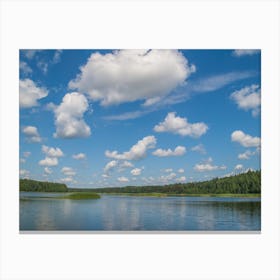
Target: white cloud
(185,92)
(181,179)
(30,93)
(51,156)
(24,173)
(238,167)
(246,155)
(136,152)
(208,166)
(179,151)
(32,134)
(123,179)
(126,164)
(79,156)
(248,98)
(150,75)
(68,171)
(127,115)
(47,170)
(67,180)
(136,171)
(110,165)
(49,161)
(24,68)
(178,125)
(199,148)
(22,160)
(168,170)
(52,152)
(69,117)
(244,52)
(217,82)
(245,139)
(181,170)
(167,178)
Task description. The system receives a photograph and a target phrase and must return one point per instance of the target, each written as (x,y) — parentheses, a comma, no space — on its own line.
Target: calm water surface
(125,213)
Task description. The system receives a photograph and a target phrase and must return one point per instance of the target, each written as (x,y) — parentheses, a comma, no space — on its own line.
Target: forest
(245,183)
(27,185)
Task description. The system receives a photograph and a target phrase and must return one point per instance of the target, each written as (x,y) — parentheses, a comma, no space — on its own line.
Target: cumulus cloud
(30,93)
(179,151)
(22,160)
(248,98)
(48,161)
(79,156)
(24,173)
(69,117)
(136,171)
(32,134)
(126,164)
(181,170)
(110,165)
(245,140)
(199,148)
(208,166)
(51,156)
(238,167)
(123,179)
(244,52)
(52,152)
(178,125)
(136,152)
(149,75)
(181,179)
(67,180)
(68,171)
(47,170)
(246,155)
(168,170)
(167,178)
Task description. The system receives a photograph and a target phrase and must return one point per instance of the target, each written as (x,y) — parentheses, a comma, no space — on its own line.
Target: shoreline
(253,195)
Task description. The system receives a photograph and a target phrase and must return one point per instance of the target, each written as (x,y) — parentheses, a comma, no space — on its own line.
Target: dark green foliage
(27,185)
(246,183)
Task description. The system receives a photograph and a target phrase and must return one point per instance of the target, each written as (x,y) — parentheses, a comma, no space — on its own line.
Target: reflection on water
(139,213)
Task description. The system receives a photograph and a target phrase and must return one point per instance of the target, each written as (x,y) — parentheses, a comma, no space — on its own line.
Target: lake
(42,211)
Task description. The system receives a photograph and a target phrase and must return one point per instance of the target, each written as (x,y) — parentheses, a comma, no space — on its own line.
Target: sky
(107,118)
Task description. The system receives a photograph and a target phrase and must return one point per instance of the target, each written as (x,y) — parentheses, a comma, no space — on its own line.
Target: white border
(156,24)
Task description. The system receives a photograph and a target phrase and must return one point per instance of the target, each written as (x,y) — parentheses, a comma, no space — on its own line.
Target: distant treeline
(245,183)
(27,185)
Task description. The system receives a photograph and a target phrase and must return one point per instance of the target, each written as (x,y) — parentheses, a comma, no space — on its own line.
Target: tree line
(245,183)
(27,185)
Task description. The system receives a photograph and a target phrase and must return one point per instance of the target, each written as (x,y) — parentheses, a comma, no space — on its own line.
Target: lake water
(129,213)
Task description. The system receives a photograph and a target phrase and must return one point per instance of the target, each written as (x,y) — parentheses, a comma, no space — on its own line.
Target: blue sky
(105,118)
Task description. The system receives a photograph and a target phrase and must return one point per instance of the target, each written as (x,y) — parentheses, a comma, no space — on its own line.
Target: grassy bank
(82,195)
